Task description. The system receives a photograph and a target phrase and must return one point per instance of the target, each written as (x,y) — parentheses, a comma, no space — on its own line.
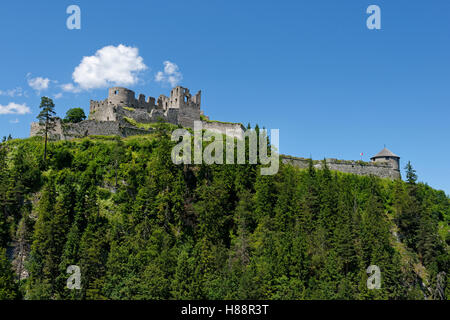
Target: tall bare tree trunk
(45,145)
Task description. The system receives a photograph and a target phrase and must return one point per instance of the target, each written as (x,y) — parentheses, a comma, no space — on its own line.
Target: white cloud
(58,95)
(14,121)
(171,74)
(14,108)
(17,92)
(69,87)
(109,66)
(38,83)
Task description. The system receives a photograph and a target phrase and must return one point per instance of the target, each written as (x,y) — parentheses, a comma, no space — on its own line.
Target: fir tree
(46,119)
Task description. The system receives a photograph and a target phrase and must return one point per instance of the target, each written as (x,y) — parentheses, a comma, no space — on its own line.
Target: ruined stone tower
(123,115)
(180,108)
(188,106)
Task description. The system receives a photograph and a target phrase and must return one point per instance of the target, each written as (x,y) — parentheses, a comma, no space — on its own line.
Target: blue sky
(312,69)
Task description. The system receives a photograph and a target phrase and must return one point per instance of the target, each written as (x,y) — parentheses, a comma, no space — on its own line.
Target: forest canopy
(141,227)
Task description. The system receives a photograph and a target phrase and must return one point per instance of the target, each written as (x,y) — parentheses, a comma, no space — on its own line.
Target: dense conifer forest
(141,227)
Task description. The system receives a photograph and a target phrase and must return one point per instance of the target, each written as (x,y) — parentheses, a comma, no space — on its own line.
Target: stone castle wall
(187,116)
(116,115)
(124,97)
(67,131)
(102,111)
(235,130)
(180,108)
(380,169)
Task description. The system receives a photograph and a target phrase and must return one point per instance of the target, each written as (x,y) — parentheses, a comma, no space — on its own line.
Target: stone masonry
(382,169)
(123,115)
(180,108)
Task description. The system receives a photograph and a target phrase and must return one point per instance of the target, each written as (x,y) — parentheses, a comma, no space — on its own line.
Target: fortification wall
(121,96)
(187,115)
(181,108)
(141,116)
(102,111)
(124,97)
(172,115)
(182,98)
(127,131)
(87,128)
(108,117)
(235,130)
(55,134)
(163,102)
(380,169)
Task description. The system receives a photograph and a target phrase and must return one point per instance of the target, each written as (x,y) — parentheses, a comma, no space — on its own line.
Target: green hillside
(141,227)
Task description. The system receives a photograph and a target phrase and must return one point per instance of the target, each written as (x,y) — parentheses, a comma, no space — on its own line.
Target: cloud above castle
(170,75)
(39,83)
(110,65)
(14,108)
(117,66)
(16,92)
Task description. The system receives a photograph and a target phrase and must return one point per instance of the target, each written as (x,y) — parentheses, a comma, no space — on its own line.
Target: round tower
(386,155)
(123,97)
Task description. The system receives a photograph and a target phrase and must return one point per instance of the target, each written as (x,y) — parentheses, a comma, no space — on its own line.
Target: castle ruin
(123,115)
(180,108)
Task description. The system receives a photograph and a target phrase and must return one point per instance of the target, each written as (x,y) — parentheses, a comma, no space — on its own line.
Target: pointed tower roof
(385,153)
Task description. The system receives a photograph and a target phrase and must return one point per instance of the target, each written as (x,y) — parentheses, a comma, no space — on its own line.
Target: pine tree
(8,287)
(411,175)
(47,119)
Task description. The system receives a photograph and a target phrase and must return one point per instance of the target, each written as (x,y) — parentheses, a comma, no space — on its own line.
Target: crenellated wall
(113,116)
(380,169)
(124,97)
(180,108)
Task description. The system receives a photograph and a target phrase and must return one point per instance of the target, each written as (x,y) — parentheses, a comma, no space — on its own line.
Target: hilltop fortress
(123,115)
(180,108)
